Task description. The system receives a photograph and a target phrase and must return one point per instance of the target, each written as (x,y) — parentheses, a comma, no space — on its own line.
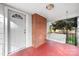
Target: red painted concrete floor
(50,48)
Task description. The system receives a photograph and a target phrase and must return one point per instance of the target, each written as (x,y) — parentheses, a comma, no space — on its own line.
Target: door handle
(24,31)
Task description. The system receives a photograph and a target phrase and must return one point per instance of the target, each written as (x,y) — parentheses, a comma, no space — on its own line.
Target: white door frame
(6,45)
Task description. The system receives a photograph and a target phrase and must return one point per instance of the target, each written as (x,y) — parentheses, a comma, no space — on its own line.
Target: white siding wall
(1,30)
(57,37)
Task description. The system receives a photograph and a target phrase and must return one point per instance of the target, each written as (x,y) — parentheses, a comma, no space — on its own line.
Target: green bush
(71,40)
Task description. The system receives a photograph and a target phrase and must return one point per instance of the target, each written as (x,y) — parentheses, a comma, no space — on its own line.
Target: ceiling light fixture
(50,6)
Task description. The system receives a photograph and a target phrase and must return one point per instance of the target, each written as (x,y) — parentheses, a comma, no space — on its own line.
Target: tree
(68,27)
(60,25)
(65,25)
(74,24)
